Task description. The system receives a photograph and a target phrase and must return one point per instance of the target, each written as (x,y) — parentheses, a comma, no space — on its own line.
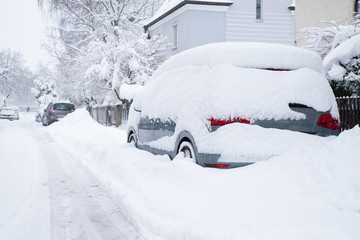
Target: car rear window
(64,107)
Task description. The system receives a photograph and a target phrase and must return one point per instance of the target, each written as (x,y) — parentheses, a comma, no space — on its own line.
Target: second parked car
(55,111)
(11,113)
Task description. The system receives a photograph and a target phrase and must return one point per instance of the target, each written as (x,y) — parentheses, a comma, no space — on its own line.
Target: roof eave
(180,5)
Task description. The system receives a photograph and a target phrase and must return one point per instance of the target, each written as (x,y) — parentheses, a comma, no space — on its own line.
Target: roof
(171,6)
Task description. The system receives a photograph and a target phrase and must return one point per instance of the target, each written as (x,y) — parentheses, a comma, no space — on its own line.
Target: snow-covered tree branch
(101,44)
(323,40)
(12,74)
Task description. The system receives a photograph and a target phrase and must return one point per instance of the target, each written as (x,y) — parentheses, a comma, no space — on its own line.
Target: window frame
(259,10)
(175,37)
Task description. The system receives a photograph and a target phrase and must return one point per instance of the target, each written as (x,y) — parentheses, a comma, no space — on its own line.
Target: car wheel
(44,120)
(132,139)
(186,149)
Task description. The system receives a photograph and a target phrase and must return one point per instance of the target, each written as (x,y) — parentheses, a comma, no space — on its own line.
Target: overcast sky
(21,29)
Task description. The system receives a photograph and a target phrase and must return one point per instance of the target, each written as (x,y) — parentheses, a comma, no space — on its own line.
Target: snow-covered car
(223,104)
(11,113)
(55,111)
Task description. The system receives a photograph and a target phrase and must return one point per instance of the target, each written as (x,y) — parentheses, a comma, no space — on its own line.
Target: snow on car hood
(224,91)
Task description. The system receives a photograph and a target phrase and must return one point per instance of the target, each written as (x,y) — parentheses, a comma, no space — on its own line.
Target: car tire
(44,121)
(132,139)
(186,148)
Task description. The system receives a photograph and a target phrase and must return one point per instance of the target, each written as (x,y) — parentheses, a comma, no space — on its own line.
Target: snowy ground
(47,194)
(79,180)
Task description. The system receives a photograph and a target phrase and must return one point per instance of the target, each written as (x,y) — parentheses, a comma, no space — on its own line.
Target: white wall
(195,28)
(277,25)
(198,24)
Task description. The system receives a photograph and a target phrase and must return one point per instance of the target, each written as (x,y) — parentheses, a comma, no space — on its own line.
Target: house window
(175,36)
(258,9)
(357,6)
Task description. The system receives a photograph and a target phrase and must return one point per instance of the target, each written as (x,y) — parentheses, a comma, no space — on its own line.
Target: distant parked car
(11,113)
(221,104)
(55,111)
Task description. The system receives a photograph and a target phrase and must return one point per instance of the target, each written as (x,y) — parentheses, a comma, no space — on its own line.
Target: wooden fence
(109,115)
(349,110)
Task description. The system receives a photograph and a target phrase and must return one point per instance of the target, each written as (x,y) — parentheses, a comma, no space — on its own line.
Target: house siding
(195,28)
(276,26)
(200,24)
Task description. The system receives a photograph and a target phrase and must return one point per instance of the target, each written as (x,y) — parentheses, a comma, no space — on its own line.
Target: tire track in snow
(80,209)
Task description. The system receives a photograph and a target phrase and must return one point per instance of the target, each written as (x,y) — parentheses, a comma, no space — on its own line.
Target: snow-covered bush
(44,91)
(324,40)
(342,66)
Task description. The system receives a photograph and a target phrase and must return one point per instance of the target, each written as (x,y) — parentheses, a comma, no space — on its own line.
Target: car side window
(48,107)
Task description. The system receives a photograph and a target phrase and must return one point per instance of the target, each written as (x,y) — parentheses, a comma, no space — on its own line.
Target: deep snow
(230,79)
(311,192)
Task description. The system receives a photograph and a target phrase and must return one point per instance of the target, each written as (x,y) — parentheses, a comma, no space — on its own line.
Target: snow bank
(312,192)
(343,53)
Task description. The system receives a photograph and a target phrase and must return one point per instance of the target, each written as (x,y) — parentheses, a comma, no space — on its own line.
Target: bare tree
(12,74)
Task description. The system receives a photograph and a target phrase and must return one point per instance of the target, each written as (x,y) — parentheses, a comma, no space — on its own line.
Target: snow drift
(312,192)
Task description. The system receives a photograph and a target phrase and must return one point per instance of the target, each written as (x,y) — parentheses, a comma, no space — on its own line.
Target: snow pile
(128,91)
(343,53)
(312,192)
(220,81)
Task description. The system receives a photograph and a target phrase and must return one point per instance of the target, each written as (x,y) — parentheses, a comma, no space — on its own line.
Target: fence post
(108,115)
(118,116)
(349,111)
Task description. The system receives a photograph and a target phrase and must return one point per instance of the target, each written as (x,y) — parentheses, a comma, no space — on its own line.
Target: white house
(191,23)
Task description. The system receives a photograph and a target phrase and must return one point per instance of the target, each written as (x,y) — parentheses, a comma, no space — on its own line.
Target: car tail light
(327,121)
(52,109)
(217,122)
(217,165)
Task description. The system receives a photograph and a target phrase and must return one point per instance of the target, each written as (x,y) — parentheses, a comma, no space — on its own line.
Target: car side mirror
(137,103)
(137,108)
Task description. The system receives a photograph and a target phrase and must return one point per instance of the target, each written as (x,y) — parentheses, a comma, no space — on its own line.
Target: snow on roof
(247,55)
(343,53)
(171,4)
